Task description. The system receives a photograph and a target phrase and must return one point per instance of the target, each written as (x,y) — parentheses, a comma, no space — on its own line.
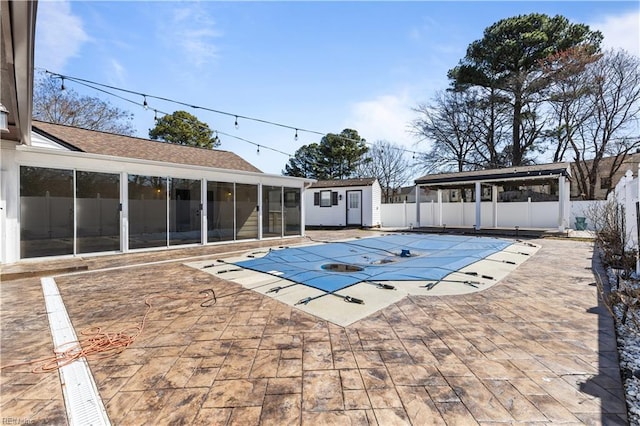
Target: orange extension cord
(102,344)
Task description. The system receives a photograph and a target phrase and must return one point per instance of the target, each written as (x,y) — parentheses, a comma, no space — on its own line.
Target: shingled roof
(337,183)
(94,142)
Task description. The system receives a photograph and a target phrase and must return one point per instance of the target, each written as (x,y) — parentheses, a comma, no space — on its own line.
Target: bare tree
(446,125)
(389,163)
(609,120)
(467,130)
(53,105)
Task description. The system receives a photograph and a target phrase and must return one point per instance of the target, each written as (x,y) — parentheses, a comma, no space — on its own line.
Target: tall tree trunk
(516,150)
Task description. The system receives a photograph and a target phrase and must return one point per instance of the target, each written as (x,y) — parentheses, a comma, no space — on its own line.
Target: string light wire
(100,87)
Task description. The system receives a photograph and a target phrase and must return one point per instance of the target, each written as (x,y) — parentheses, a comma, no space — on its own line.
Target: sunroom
(79,192)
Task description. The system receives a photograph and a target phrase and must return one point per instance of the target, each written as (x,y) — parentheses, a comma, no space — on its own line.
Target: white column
(124,212)
(494,204)
(260,207)
(303,215)
(562,194)
(204,226)
(417,206)
(478,206)
(439,207)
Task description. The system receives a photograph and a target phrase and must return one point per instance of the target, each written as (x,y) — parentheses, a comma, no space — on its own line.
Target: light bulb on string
(296,136)
(155,115)
(236,123)
(258,150)
(62,88)
(145,105)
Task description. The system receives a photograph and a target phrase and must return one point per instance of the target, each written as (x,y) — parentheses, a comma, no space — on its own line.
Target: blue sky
(323,66)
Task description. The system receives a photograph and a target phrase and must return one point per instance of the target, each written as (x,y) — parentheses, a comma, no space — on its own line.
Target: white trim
(83,156)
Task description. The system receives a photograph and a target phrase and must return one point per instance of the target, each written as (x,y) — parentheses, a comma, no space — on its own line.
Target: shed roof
(496,175)
(339,183)
(95,142)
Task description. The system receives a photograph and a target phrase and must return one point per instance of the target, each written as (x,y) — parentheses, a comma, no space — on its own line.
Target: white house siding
(336,215)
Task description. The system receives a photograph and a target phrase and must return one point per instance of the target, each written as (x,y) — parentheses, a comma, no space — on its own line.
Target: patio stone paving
(536,348)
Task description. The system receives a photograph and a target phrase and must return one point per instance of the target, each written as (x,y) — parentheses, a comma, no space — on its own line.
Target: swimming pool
(333,266)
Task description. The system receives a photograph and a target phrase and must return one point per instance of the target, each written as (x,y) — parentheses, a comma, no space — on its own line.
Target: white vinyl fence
(627,194)
(508,215)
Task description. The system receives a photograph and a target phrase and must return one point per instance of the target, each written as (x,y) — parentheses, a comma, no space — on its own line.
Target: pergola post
(417,206)
(439,206)
(494,204)
(562,194)
(478,206)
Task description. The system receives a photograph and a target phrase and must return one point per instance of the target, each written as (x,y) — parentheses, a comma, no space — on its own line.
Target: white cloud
(118,72)
(192,33)
(620,31)
(60,35)
(384,118)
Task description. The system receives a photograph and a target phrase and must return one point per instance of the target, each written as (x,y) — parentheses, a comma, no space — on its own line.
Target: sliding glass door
(46,212)
(246,211)
(292,212)
(147,211)
(220,211)
(184,211)
(97,212)
(271,211)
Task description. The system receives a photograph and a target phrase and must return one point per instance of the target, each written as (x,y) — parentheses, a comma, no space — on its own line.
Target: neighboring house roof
(94,142)
(522,172)
(338,183)
(406,190)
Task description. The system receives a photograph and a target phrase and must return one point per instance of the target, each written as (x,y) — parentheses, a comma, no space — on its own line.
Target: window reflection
(147,211)
(46,212)
(98,212)
(246,211)
(271,211)
(184,212)
(292,221)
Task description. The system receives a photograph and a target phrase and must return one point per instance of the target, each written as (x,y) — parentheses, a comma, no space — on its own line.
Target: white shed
(345,202)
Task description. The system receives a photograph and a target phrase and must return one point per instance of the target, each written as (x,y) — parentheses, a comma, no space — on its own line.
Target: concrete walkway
(536,348)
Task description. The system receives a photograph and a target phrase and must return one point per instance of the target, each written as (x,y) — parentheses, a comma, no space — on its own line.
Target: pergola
(525,175)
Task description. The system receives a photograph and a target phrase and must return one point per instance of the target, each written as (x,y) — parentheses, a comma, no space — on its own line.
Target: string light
(258,150)
(62,88)
(92,84)
(155,115)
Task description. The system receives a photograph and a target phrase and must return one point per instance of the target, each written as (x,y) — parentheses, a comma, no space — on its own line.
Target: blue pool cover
(416,257)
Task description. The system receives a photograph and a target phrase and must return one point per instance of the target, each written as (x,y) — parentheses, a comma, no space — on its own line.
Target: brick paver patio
(534,349)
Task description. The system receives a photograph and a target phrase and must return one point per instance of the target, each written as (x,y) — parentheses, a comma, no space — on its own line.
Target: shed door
(354,208)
